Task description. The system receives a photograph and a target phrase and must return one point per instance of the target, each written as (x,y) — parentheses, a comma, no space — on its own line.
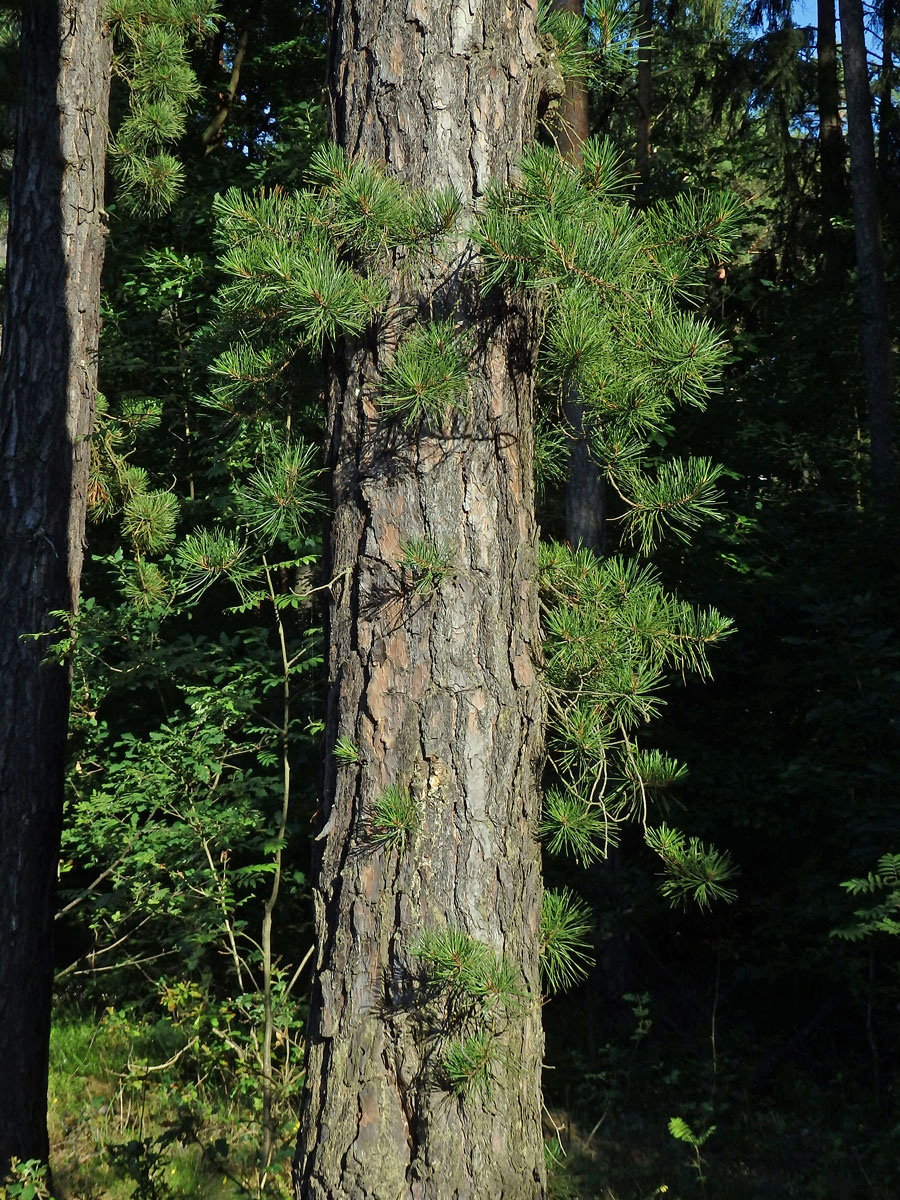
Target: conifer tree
(47,387)
(426,293)
(48,379)
(874,332)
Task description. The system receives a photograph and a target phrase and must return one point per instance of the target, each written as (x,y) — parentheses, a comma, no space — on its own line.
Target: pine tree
(430,922)
(47,387)
(874,333)
(48,379)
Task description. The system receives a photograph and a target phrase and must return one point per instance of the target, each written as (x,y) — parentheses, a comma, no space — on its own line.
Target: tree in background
(48,380)
(47,392)
(832,151)
(874,332)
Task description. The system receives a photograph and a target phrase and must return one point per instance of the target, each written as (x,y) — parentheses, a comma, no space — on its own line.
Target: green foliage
(211,554)
(682,1132)
(149,520)
(469,970)
(883,916)
(281,495)
(345,751)
(395,817)
(427,562)
(612,635)
(468,1064)
(574,826)
(155,65)
(427,377)
(27,1180)
(692,871)
(591,48)
(566,929)
(482,989)
(615,280)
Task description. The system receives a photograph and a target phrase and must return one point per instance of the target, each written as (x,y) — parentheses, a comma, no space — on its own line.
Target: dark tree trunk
(835,200)
(212,135)
(47,390)
(439,691)
(874,332)
(888,120)
(644,90)
(585,498)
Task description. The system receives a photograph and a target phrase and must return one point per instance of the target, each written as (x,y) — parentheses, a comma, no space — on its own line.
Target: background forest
(734,1040)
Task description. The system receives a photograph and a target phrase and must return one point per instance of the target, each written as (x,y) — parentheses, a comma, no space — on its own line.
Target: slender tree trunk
(47,389)
(585,498)
(438,691)
(888,120)
(573,127)
(212,134)
(874,332)
(644,90)
(835,200)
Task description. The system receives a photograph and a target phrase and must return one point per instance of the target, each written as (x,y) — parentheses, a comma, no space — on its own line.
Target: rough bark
(47,392)
(438,690)
(874,331)
(835,200)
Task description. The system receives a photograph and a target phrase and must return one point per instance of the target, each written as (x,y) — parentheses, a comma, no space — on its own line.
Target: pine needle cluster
(395,817)
(693,871)
(616,281)
(619,286)
(612,636)
(591,47)
(154,38)
(117,488)
(481,988)
(305,268)
(566,936)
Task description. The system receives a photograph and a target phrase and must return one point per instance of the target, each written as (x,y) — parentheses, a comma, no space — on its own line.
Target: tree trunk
(888,120)
(585,497)
(644,90)
(438,690)
(47,390)
(832,151)
(874,332)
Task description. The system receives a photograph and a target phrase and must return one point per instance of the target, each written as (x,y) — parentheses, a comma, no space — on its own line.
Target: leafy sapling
(882,915)
(680,1130)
